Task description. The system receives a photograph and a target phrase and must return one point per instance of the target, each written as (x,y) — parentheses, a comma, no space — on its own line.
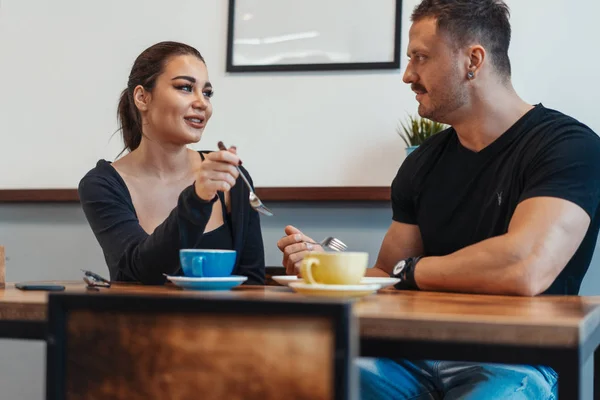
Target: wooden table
(559,331)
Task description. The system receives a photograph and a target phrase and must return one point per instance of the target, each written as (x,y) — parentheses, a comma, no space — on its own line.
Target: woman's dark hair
(485,21)
(146,68)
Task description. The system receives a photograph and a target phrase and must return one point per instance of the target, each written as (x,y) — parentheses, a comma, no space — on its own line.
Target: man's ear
(477,56)
(141,98)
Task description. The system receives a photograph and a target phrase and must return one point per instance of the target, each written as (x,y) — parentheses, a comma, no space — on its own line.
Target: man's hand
(295,247)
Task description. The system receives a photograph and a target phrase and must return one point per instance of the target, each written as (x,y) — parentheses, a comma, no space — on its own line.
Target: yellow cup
(345,268)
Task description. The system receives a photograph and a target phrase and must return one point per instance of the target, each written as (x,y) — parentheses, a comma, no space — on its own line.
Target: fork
(332,243)
(253,198)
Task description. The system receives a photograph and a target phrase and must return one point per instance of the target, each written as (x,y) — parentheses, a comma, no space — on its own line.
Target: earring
(470,75)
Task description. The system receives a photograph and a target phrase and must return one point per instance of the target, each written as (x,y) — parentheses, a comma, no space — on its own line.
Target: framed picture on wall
(313,35)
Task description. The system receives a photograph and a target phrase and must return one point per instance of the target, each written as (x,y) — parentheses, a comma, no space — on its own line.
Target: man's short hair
(467,21)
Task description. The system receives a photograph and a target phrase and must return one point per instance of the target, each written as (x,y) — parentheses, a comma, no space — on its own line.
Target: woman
(162,196)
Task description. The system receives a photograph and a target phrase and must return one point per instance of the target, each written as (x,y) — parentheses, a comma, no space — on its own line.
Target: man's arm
(401,241)
(542,237)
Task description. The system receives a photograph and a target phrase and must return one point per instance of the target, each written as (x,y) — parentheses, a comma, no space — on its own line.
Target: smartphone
(39,286)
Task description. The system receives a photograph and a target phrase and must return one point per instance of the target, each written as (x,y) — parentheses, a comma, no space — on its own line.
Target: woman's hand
(217,172)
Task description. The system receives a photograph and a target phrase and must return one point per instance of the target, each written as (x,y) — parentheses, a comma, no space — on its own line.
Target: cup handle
(197,266)
(307,265)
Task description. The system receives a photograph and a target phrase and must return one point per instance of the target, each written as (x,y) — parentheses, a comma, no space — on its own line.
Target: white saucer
(286,279)
(320,290)
(220,283)
(381,281)
(384,282)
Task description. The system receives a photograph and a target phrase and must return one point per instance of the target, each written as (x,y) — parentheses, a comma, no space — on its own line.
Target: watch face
(399,267)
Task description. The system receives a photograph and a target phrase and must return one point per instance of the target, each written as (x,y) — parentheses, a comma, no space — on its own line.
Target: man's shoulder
(433,142)
(430,149)
(420,161)
(553,123)
(439,139)
(556,136)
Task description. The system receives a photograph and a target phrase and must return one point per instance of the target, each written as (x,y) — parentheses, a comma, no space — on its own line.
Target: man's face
(434,72)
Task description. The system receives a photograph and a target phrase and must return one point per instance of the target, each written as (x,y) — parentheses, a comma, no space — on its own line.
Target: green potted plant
(415,130)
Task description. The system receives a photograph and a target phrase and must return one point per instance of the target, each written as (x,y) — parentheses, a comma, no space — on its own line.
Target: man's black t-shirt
(458,197)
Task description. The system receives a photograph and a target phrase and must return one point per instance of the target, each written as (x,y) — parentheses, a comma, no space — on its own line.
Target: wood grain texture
(186,356)
(38,196)
(375,193)
(555,321)
(541,321)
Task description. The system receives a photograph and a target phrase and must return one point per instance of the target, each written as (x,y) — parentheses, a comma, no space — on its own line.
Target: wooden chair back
(103,346)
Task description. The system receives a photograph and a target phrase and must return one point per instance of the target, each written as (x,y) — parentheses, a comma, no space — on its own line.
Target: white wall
(554,55)
(64,63)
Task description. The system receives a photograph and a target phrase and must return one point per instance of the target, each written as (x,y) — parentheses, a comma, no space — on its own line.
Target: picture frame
(313,35)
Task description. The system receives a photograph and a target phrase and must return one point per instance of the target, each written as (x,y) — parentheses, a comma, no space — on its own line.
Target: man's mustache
(418,88)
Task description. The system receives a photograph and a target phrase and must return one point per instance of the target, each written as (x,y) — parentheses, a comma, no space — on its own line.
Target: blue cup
(200,263)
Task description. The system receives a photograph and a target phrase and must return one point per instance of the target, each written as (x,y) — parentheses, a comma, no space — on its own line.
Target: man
(503,202)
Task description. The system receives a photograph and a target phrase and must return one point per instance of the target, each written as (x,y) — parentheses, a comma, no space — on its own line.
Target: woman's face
(178,108)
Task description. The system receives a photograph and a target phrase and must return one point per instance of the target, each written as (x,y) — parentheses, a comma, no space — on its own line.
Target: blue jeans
(382,378)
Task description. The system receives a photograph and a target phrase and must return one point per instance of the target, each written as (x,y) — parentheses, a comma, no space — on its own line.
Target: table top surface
(555,321)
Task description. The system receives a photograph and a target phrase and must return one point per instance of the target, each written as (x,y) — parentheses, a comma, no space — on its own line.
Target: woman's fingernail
(297,237)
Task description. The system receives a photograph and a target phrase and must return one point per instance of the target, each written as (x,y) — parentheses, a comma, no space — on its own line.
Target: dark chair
(2,268)
(105,346)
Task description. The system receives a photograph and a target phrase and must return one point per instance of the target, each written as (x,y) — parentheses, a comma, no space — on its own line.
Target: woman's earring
(470,74)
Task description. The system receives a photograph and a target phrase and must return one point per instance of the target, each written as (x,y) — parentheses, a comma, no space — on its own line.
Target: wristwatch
(405,271)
